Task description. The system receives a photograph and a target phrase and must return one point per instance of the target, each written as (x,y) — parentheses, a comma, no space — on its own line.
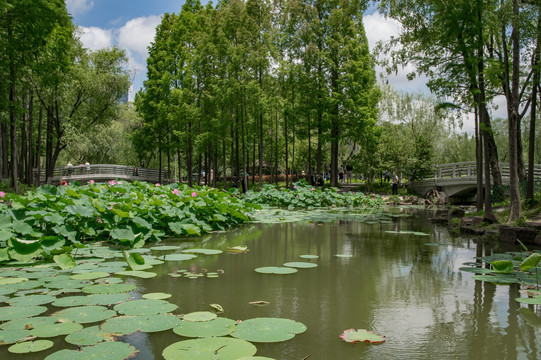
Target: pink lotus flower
(162,195)
(120,183)
(111,207)
(194,194)
(112,183)
(157,184)
(313,189)
(91,182)
(2,194)
(297,196)
(175,192)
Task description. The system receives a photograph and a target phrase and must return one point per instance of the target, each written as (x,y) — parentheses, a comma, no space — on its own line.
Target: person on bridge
(87,165)
(395,183)
(70,168)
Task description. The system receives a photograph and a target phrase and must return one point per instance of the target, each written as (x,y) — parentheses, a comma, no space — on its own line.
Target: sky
(130,25)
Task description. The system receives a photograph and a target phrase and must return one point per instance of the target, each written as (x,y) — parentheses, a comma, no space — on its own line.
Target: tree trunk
(479,161)
(13,123)
(30,162)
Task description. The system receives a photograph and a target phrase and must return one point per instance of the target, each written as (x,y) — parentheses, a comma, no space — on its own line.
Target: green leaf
(110,350)
(123,325)
(530,262)
(268,329)
(80,210)
(217,348)
(503,266)
(65,261)
(30,346)
(145,307)
(362,335)
(213,328)
(135,261)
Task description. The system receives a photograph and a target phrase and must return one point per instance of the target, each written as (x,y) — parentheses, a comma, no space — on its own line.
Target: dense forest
(269,89)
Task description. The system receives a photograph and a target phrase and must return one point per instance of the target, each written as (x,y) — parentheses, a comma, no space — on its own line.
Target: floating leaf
(108,299)
(179,257)
(354,336)
(268,329)
(237,249)
(533,301)
(156,296)
(309,256)
(123,325)
(30,346)
(139,274)
(108,288)
(56,329)
(343,255)
(145,307)
(165,248)
(12,336)
(476,270)
(216,348)
(530,262)
(203,251)
(90,275)
(276,270)
(88,336)
(31,300)
(110,350)
(135,261)
(200,316)
(70,301)
(85,314)
(15,312)
(300,265)
(212,328)
(497,279)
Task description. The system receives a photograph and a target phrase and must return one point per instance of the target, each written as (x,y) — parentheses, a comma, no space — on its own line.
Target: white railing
(469,169)
(101,172)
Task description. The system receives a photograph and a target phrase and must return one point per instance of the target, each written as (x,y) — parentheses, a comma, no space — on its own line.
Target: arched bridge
(104,173)
(459,180)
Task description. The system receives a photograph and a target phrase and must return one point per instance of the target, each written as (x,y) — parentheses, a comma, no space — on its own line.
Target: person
(386,176)
(395,183)
(87,165)
(349,172)
(341,175)
(70,168)
(135,172)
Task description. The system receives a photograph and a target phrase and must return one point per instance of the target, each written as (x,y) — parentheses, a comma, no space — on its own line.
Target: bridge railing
(469,169)
(106,171)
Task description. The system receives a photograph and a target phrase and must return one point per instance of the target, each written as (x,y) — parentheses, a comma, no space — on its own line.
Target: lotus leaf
(109,288)
(503,266)
(138,274)
(16,312)
(476,270)
(135,261)
(212,328)
(85,314)
(110,350)
(268,329)
(276,270)
(88,336)
(343,255)
(156,296)
(203,251)
(65,261)
(179,257)
(145,307)
(30,346)
(165,248)
(27,323)
(530,316)
(12,336)
(497,279)
(70,301)
(530,262)
(109,280)
(9,281)
(533,301)
(66,284)
(56,329)
(200,316)
(309,256)
(90,275)
(30,300)
(124,325)
(214,348)
(256,358)
(354,336)
(237,249)
(300,265)
(108,299)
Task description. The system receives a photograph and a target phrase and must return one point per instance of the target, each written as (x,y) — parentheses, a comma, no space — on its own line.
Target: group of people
(70,167)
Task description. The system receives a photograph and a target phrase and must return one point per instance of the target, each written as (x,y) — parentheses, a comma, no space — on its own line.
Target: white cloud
(137,34)
(79,6)
(95,38)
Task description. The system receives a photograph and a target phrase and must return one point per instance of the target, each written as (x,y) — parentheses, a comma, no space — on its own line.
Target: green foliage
(302,196)
(50,221)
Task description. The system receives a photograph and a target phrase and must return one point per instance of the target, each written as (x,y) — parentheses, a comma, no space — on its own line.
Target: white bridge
(459,180)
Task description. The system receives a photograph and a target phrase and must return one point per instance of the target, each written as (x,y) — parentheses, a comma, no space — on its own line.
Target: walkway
(104,173)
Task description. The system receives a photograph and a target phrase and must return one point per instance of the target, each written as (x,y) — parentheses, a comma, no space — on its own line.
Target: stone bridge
(458,181)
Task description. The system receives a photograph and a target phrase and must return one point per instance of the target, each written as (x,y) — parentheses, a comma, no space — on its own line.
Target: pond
(404,286)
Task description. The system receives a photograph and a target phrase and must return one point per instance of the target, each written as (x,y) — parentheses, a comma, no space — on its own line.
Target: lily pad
(309,256)
(165,248)
(56,329)
(85,314)
(212,328)
(200,316)
(532,301)
(30,346)
(354,336)
(88,336)
(109,288)
(344,255)
(70,301)
(476,270)
(124,325)
(179,257)
(90,275)
(145,307)
(108,299)
(268,329)
(300,265)
(156,296)
(138,274)
(203,251)
(31,300)
(216,348)
(496,279)
(16,312)
(237,249)
(110,350)
(276,270)
(27,323)
(12,336)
